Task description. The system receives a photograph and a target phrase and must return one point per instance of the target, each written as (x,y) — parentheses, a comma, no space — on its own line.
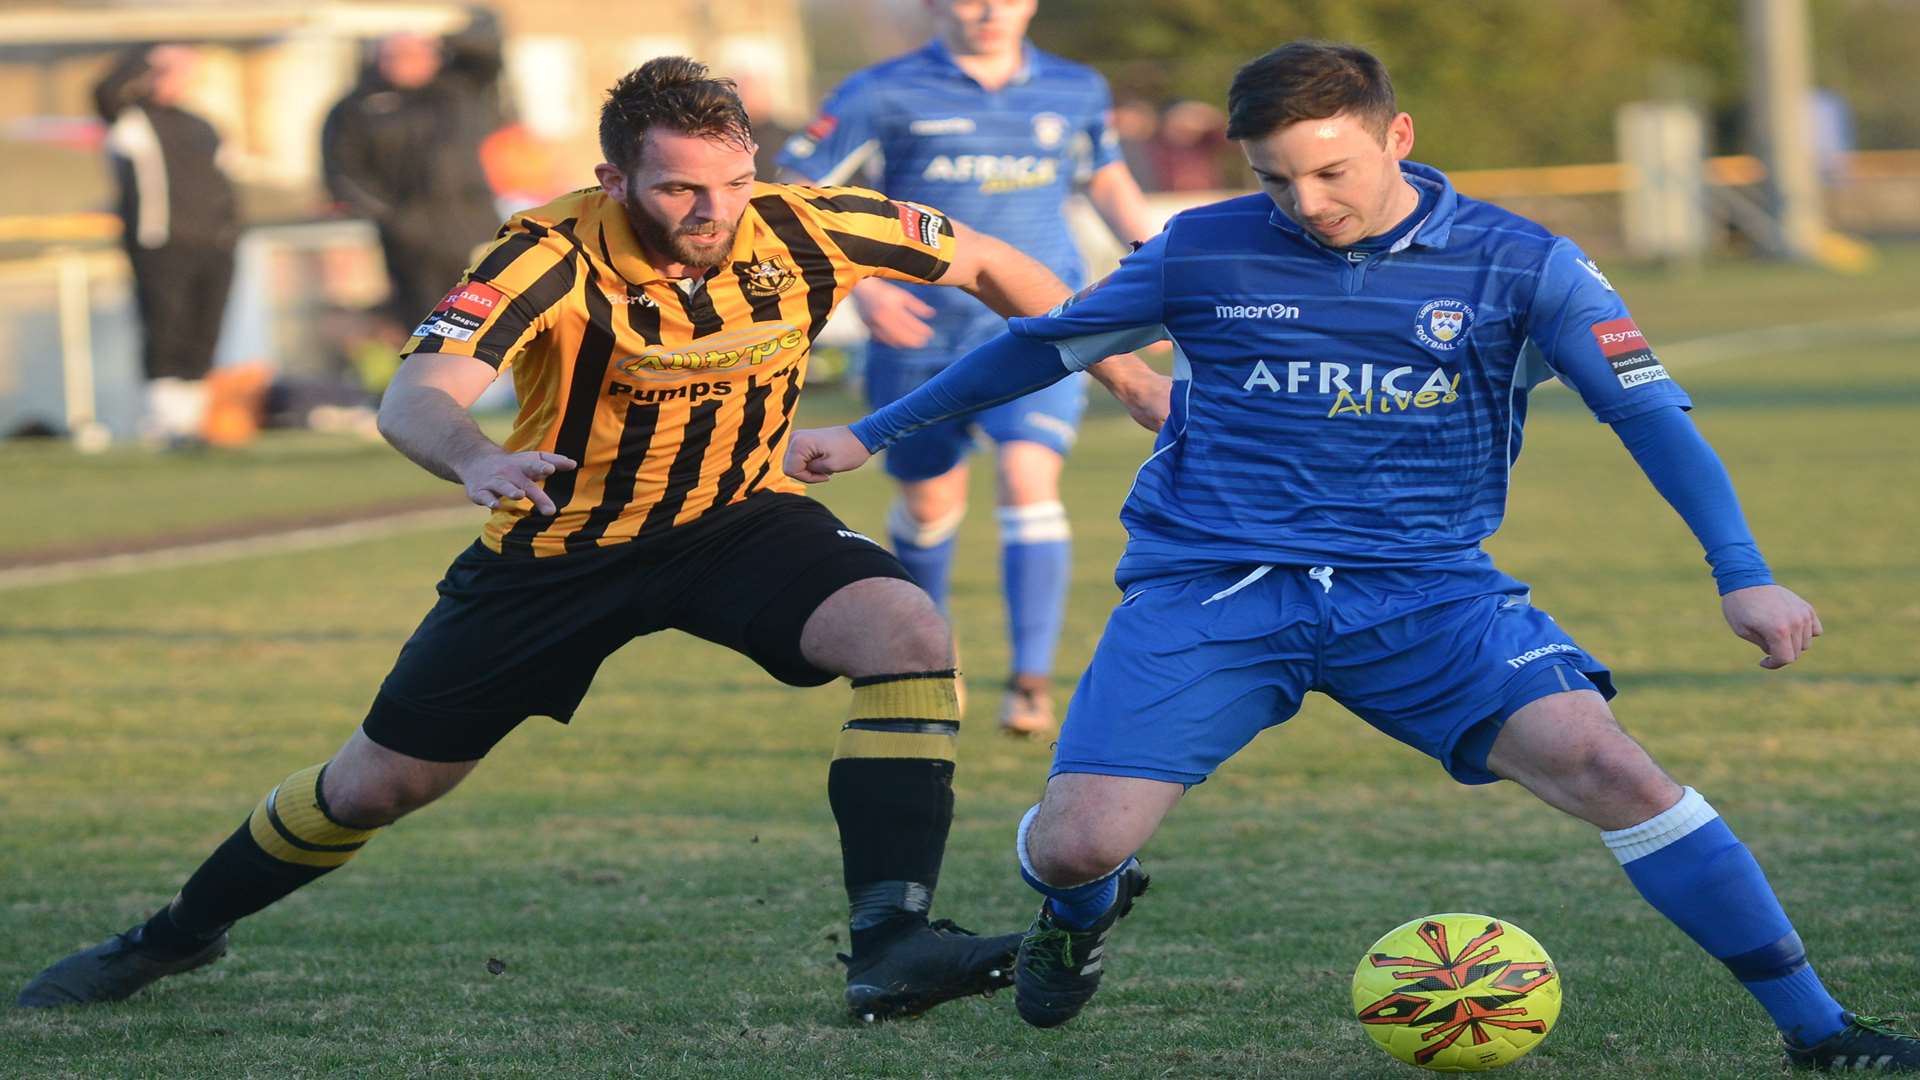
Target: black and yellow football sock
(288,841)
(891,786)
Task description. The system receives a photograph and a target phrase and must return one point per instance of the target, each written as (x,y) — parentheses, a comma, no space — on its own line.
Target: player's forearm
(1122,374)
(432,430)
(1005,368)
(1013,284)
(1117,197)
(1690,476)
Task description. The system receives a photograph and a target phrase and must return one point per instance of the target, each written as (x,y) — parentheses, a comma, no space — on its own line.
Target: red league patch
(463,311)
(822,127)
(474,298)
(910,220)
(1618,336)
(921,224)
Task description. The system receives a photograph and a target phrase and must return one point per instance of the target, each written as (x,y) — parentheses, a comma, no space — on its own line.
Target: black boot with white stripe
(1866,1044)
(1060,967)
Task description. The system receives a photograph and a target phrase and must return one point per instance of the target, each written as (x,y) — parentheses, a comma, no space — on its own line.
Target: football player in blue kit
(997,133)
(1353,350)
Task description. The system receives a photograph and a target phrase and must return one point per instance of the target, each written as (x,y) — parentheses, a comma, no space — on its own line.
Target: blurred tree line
(1495,83)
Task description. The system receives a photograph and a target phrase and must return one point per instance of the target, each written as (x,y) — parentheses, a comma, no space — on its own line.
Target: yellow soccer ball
(1457,992)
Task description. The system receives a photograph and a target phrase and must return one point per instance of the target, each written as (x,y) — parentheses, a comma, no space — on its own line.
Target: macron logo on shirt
(1256,311)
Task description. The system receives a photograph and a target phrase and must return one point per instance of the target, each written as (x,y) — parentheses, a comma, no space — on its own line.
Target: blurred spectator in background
(1135,123)
(769,134)
(179,220)
(403,150)
(1188,152)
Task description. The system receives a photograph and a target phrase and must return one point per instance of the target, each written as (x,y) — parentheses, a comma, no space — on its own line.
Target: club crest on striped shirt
(768,277)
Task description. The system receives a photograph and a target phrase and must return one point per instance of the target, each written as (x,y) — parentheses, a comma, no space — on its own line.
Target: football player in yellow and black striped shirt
(657,328)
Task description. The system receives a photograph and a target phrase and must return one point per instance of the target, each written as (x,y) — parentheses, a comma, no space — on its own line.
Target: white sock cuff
(1034,523)
(907,529)
(1666,827)
(1020,841)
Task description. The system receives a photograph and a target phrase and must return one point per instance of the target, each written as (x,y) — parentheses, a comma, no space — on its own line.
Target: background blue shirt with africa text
(1002,162)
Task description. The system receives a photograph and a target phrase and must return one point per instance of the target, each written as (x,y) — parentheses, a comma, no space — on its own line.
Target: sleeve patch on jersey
(821,127)
(1625,348)
(463,311)
(922,224)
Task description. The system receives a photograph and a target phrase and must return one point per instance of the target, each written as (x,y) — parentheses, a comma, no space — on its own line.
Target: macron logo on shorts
(1531,655)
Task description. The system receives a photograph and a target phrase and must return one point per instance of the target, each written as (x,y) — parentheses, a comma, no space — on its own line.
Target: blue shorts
(1189,671)
(1050,417)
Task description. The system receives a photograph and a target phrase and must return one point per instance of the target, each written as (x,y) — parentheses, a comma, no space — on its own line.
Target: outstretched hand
(1772,617)
(495,477)
(815,454)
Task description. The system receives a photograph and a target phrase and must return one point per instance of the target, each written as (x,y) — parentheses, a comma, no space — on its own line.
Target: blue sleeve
(1102,146)
(1688,474)
(839,141)
(1119,313)
(1003,369)
(1583,329)
(1123,311)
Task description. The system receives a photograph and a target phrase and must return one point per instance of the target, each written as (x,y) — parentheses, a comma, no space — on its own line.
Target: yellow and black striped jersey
(675,397)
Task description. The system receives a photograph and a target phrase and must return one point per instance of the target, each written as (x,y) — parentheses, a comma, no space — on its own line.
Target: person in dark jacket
(403,150)
(180,223)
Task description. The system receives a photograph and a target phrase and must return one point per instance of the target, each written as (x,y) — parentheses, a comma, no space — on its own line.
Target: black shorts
(514,637)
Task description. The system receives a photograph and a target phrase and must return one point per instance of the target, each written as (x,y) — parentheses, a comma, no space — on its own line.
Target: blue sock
(1036,562)
(925,550)
(1076,906)
(1693,870)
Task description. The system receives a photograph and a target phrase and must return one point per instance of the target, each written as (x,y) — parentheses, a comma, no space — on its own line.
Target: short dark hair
(672,92)
(1309,80)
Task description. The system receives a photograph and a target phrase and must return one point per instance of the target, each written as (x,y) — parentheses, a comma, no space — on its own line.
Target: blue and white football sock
(1693,870)
(1036,562)
(1077,906)
(926,550)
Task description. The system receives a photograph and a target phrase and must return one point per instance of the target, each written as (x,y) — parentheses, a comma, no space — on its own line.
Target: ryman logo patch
(1627,353)
(922,224)
(463,311)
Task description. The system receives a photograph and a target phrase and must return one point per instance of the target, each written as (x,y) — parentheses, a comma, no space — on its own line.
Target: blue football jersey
(1350,412)
(1001,161)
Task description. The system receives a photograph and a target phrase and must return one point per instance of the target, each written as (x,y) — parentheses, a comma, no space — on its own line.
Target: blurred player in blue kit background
(998,134)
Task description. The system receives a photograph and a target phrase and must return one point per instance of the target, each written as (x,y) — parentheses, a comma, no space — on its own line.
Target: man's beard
(660,239)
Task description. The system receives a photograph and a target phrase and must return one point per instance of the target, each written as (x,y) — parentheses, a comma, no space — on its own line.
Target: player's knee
(1617,775)
(927,526)
(373,801)
(1066,847)
(922,642)
(1072,858)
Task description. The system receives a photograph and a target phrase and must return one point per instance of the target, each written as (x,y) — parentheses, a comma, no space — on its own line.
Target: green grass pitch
(660,880)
